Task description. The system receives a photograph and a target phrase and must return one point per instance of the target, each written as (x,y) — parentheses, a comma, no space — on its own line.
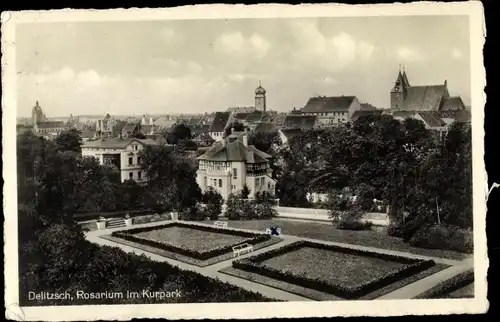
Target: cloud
(456,53)
(407,54)
(235,45)
(170,36)
(331,52)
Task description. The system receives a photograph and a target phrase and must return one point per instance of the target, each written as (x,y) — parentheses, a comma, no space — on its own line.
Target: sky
(196,66)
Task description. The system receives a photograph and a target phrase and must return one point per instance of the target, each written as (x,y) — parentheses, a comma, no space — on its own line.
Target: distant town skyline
(196,66)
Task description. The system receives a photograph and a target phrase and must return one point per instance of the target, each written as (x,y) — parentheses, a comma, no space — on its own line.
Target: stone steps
(116,223)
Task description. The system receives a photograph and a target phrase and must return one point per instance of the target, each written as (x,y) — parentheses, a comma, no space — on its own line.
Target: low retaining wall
(377,219)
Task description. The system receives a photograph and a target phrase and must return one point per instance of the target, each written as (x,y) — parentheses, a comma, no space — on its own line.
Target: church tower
(399,91)
(37,114)
(260,98)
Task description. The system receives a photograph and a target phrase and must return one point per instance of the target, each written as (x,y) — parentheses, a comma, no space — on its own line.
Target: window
(130,175)
(220,183)
(130,161)
(262,181)
(139,175)
(235,173)
(269,185)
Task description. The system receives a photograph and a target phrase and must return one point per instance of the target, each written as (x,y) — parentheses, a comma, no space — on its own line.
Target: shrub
(443,237)
(444,288)
(354,225)
(213,203)
(264,206)
(151,218)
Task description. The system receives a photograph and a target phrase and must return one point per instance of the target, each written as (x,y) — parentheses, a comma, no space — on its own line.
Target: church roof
(452,103)
(321,104)
(241,109)
(432,118)
(260,90)
(424,98)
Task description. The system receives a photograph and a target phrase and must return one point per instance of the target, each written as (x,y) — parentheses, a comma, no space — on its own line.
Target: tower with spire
(260,98)
(400,89)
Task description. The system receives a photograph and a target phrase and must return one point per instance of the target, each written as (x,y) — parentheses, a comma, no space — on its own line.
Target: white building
(231,163)
(123,153)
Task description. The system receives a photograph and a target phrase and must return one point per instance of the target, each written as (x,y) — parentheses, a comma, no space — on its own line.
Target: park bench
(220,224)
(242,248)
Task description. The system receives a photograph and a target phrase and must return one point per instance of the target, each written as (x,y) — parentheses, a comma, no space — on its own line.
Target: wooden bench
(242,248)
(220,224)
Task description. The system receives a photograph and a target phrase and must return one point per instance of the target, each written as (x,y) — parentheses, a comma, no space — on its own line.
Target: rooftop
(116,143)
(328,104)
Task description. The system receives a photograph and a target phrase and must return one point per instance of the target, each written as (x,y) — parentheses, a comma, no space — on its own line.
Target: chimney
(445,82)
(245,140)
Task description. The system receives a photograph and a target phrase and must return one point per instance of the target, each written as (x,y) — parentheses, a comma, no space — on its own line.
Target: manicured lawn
(184,258)
(191,238)
(322,296)
(326,231)
(336,267)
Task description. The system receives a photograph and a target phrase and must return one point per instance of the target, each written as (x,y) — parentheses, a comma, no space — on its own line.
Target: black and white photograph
(244,161)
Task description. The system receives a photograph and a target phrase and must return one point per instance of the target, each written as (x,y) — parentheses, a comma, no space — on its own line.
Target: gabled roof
(116,143)
(305,122)
(233,149)
(241,116)
(452,103)
(432,118)
(200,129)
(164,122)
(460,116)
(130,127)
(265,127)
(220,121)
(148,128)
(424,98)
(51,124)
(202,136)
(367,107)
(241,109)
(328,104)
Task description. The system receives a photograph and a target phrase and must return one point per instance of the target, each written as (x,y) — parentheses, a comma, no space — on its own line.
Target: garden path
(212,271)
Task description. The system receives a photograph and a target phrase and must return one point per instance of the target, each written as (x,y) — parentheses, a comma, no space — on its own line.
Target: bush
(444,288)
(412,266)
(213,203)
(443,237)
(151,218)
(354,225)
(395,230)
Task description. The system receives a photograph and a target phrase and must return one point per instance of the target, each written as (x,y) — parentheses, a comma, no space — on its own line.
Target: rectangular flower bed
(344,272)
(200,242)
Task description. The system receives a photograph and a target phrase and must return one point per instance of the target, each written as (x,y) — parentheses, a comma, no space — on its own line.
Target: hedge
(129,235)
(413,266)
(443,237)
(354,225)
(96,215)
(442,289)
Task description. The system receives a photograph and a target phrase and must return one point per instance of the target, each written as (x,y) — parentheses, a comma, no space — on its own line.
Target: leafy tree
(69,140)
(171,179)
(245,192)
(213,203)
(236,126)
(179,132)
(264,205)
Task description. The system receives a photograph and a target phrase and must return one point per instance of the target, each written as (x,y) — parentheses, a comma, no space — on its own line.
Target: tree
(213,203)
(69,140)
(269,143)
(171,179)
(179,132)
(265,204)
(236,126)
(245,192)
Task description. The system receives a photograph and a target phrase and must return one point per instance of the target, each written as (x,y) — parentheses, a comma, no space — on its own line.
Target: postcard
(232,161)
